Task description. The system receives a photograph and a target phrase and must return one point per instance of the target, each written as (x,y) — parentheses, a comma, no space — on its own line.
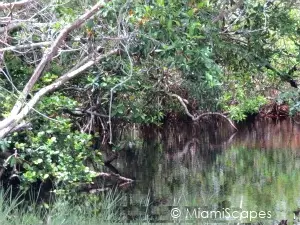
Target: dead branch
(195,118)
(113,175)
(20,109)
(217,114)
(14,5)
(120,181)
(32,45)
(9,123)
(50,53)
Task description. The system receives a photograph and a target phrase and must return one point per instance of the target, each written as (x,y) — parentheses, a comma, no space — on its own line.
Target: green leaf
(38,161)
(161,3)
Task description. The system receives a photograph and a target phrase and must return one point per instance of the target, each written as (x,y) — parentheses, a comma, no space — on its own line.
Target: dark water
(199,168)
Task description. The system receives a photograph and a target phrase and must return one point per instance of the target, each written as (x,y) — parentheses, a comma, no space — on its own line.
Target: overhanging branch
(48,55)
(12,121)
(195,118)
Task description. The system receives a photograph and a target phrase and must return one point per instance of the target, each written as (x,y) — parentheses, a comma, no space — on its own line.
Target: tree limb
(12,121)
(50,53)
(32,45)
(119,177)
(287,77)
(14,5)
(195,118)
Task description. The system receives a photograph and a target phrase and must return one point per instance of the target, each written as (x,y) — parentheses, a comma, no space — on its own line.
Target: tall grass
(14,211)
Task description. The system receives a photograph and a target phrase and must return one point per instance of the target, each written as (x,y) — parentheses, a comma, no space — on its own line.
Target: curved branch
(119,180)
(217,114)
(195,118)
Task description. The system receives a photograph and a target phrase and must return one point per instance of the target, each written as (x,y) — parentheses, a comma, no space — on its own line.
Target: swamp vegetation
(139,105)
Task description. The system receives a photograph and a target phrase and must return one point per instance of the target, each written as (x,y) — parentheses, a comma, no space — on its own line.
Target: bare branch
(51,53)
(32,45)
(109,175)
(195,118)
(9,123)
(15,5)
(217,114)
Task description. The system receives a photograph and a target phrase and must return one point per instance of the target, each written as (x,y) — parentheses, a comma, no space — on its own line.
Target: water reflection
(208,165)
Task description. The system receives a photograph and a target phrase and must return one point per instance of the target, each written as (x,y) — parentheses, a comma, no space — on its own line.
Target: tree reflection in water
(209,165)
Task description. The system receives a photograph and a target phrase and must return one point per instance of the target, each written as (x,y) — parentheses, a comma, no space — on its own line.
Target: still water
(201,168)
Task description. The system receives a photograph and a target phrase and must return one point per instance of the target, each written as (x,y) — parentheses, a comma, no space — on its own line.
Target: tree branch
(12,121)
(14,5)
(50,53)
(32,45)
(195,118)
(119,177)
(285,77)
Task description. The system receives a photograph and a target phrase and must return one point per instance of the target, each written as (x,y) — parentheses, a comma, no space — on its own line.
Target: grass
(14,211)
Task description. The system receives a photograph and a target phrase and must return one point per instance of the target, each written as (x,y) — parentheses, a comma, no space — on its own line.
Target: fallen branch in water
(183,102)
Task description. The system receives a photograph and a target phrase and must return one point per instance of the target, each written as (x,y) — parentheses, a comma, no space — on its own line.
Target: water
(203,167)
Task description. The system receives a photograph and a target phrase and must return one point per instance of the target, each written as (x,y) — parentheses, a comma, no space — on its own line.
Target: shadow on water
(209,166)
